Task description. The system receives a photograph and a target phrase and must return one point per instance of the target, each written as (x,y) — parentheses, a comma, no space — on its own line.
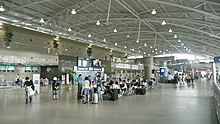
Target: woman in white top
(86,89)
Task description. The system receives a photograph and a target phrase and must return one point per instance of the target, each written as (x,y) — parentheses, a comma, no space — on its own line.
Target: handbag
(31,92)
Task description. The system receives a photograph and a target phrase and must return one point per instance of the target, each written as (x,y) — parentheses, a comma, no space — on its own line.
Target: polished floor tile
(166,105)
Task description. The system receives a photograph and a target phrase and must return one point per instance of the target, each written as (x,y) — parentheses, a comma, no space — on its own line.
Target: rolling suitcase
(95,98)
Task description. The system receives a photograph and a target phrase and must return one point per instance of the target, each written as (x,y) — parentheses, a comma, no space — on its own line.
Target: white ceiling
(195,22)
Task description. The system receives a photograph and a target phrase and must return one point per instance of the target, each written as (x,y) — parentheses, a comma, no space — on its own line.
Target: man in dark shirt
(27,85)
(55,86)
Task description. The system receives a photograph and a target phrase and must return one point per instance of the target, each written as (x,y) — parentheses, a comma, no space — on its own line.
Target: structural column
(148,67)
(163,71)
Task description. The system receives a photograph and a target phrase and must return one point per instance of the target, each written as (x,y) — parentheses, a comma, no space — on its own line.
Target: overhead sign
(123,66)
(217,59)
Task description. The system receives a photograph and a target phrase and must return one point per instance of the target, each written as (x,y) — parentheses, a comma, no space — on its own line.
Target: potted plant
(8,36)
(89,51)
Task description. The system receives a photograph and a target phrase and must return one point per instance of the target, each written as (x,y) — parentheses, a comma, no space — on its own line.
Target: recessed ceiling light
(144,53)
(137,41)
(153,12)
(160,51)
(2,8)
(166,50)
(65,49)
(145,44)
(179,40)
(89,35)
(104,40)
(175,36)
(148,54)
(185,47)
(115,30)
(164,53)
(156,52)
(139,51)
(152,51)
(182,44)
(170,30)
(116,44)
(125,47)
(132,49)
(73,11)
(42,20)
(128,36)
(163,22)
(155,49)
(151,47)
(69,29)
(97,23)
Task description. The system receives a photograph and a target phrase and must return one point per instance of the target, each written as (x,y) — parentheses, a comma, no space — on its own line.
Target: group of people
(87,87)
(183,78)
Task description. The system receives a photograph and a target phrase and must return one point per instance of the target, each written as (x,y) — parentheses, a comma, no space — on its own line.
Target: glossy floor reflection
(166,105)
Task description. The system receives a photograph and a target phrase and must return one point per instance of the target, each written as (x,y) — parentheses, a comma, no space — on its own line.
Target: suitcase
(95,98)
(142,91)
(114,95)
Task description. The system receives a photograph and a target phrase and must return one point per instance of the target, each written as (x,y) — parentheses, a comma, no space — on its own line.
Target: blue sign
(217,59)
(163,72)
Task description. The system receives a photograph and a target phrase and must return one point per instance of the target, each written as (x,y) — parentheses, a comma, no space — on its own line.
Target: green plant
(8,34)
(89,51)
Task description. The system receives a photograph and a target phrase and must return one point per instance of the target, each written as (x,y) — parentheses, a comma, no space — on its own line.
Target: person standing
(29,87)
(86,89)
(55,87)
(80,81)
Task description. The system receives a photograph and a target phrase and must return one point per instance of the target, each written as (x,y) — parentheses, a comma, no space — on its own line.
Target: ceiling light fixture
(128,36)
(153,12)
(182,44)
(69,29)
(116,44)
(155,49)
(164,53)
(144,53)
(89,35)
(166,50)
(179,40)
(42,20)
(160,51)
(170,30)
(152,51)
(145,44)
(156,52)
(104,40)
(125,47)
(132,49)
(163,22)
(151,47)
(139,51)
(137,41)
(73,11)
(65,49)
(2,9)
(115,30)
(148,54)
(185,47)
(175,36)
(98,23)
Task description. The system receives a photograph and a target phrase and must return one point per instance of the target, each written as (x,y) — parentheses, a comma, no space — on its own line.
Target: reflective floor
(165,105)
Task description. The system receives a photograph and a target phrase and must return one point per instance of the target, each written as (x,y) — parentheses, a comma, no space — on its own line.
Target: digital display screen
(2,67)
(96,63)
(11,68)
(34,68)
(27,68)
(83,62)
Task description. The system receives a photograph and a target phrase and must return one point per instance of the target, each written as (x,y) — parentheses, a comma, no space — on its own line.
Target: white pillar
(214,73)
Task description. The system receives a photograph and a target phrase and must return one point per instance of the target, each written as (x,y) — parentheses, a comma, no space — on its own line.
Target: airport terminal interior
(109,61)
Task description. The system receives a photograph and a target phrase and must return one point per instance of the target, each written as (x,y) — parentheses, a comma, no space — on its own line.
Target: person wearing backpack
(29,89)
(55,87)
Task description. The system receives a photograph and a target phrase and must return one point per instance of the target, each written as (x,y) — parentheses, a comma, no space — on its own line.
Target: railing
(217,99)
